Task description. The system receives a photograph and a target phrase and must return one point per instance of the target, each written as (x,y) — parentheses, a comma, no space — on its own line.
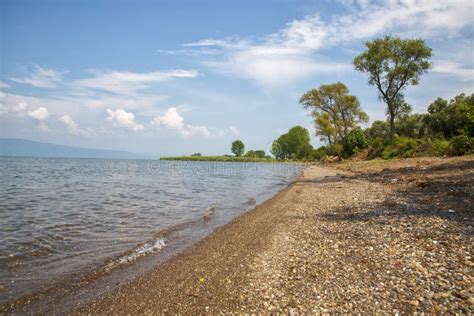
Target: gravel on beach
(376,236)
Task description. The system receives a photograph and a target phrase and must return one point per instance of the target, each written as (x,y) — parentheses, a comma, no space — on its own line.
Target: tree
(255,153)
(411,126)
(335,111)
(324,129)
(260,153)
(453,118)
(378,130)
(354,142)
(393,64)
(295,144)
(238,148)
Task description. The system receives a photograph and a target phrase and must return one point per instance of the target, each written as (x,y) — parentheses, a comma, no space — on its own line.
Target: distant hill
(28,148)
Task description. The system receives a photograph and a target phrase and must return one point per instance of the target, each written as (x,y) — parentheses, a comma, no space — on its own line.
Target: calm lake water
(62,220)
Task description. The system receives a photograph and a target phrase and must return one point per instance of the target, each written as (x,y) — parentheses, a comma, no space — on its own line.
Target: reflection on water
(62,217)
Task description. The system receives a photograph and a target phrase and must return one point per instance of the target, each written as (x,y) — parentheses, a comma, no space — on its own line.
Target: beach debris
(451,211)
(209,213)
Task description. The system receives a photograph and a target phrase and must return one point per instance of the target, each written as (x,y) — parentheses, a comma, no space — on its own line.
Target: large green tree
(335,111)
(238,148)
(293,145)
(392,64)
(450,119)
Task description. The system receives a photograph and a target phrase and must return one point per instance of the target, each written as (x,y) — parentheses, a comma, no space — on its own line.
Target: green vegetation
(447,129)
(238,148)
(255,153)
(293,145)
(334,110)
(225,158)
(393,64)
(355,141)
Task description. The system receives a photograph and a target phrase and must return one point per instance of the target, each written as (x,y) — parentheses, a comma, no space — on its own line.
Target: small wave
(147,248)
(251,201)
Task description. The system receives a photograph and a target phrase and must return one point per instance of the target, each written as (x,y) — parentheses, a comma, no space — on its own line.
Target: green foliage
(260,153)
(335,111)
(440,147)
(378,130)
(196,155)
(392,64)
(238,148)
(224,158)
(255,153)
(412,126)
(354,142)
(460,145)
(401,147)
(293,145)
(451,119)
(319,153)
(336,149)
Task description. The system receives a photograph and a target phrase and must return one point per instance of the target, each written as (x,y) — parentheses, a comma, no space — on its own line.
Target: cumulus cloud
(41,78)
(39,114)
(72,126)
(123,82)
(174,121)
(295,51)
(123,119)
(16,109)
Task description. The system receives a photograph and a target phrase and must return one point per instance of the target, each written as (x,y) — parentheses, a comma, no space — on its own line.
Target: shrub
(440,147)
(423,149)
(460,145)
(354,142)
(319,153)
(401,147)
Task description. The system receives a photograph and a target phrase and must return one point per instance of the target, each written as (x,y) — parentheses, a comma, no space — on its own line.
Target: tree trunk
(392,126)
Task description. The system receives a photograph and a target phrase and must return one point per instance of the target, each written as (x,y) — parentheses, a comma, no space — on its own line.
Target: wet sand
(391,236)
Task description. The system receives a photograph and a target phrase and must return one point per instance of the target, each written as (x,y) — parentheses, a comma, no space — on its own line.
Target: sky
(184,76)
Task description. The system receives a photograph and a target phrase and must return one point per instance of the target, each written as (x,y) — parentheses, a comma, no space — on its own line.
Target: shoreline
(86,287)
(331,241)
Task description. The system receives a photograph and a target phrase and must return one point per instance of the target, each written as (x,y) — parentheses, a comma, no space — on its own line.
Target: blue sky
(178,77)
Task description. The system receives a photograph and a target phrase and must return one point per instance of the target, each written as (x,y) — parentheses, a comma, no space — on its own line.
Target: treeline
(392,64)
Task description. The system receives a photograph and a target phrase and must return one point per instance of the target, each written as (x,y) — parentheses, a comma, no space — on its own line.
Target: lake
(66,223)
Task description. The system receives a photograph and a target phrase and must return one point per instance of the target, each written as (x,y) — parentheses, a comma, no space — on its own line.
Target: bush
(460,145)
(319,153)
(440,147)
(424,149)
(401,147)
(354,142)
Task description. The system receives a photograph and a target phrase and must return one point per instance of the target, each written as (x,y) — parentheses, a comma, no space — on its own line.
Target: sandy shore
(354,237)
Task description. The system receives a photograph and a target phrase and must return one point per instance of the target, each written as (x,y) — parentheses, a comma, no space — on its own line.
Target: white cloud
(72,126)
(122,82)
(123,119)
(17,109)
(234,131)
(39,114)
(454,69)
(4,85)
(41,78)
(290,54)
(174,121)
